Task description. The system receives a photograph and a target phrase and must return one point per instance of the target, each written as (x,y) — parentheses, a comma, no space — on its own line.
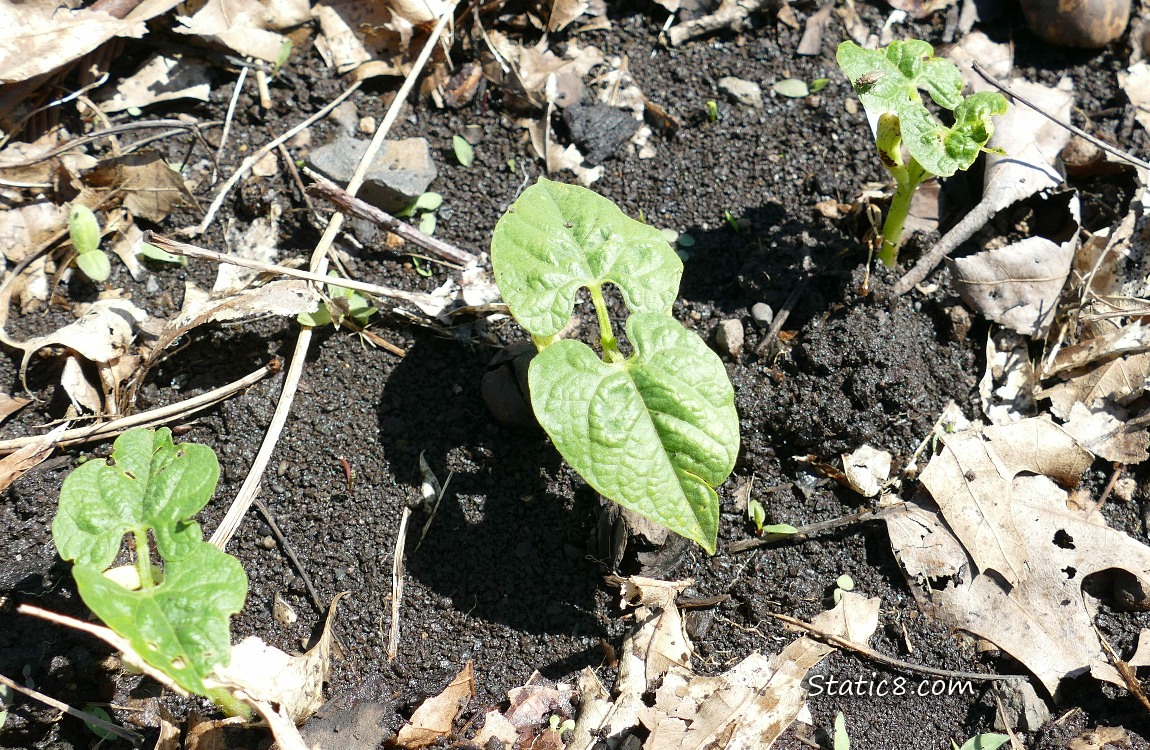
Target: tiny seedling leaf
(791,88)
(557,238)
(986,741)
(180,626)
(83,229)
(148,250)
(464,151)
(95,265)
(842,740)
(656,433)
(888,79)
(93,710)
(148,483)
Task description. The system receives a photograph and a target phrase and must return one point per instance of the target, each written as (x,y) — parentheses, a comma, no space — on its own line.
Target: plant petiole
(606,334)
(143,559)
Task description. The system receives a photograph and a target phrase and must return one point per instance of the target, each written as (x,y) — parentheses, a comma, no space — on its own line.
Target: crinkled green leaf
(148,483)
(942,150)
(180,626)
(557,238)
(888,79)
(656,433)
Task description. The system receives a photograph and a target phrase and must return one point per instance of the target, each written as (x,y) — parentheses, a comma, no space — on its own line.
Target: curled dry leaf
(151,188)
(161,79)
(1104,432)
(867,470)
(1018,285)
(1007,386)
(1110,381)
(434,718)
(42,35)
(247,27)
(1045,620)
(24,228)
(15,464)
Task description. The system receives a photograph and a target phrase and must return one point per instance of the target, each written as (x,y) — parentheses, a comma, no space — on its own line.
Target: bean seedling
(176,617)
(84,231)
(888,82)
(655,431)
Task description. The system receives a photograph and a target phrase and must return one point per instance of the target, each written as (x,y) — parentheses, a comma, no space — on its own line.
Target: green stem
(606,333)
(144,560)
(907,181)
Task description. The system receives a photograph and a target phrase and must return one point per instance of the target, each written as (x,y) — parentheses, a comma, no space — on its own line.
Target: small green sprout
(343,303)
(757,515)
(511,164)
(732,222)
(176,617)
(842,740)
(84,230)
(558,726)
(424,209)
(842,583)
(819,84)
(913,145)
(792,88)
(655,430)
(149,250)
(712,110)
(282,57)
(464,151)
(986,741)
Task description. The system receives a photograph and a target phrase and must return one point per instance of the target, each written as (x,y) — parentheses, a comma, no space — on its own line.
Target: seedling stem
(143,559)
(606,334)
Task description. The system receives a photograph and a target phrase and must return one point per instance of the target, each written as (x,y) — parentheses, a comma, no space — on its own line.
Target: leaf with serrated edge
(148,483)
(655,433)
(180,626)
(557,238)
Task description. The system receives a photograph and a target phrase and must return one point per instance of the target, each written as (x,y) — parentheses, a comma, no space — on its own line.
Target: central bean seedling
(888,81)
(655,431)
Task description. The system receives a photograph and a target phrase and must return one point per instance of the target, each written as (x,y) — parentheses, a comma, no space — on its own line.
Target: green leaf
(148,484)
(942,150)
(95,265)
(149,250)
(180,626)
(842,740)
(656,433)
(463,150)
(888,79)
(93,710)
(83,229)
(987,741)
(819,84)
(557,238)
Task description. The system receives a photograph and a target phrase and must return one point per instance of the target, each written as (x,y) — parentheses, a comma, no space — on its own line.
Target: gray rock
(763,314)
(400,173)
(347,117)
(1022,707)
(729,337)
(747,93)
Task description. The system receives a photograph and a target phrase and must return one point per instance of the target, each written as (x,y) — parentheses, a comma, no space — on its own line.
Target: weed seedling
(712,110)
(344,304)
(84,231)
(986,741)
(656,430)
(912,144)
(174,614)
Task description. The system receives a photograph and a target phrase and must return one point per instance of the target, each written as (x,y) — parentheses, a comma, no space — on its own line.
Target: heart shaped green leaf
(888,79)
(557,238)
(943,151)
(656,433)
(148,484)
(180,626)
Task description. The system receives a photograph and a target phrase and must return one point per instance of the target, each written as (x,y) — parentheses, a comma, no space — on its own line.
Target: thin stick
(803,532)
(250,488)
(249,162)
(397,558)
(135,738)
(867,651)
(152,417)
(1124,155)
(107,133)
(231,113)
(349,204)
(291,555)
(781,316)
(425,302)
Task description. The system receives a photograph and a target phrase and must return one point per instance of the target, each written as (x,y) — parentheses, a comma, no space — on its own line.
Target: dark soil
(504,576)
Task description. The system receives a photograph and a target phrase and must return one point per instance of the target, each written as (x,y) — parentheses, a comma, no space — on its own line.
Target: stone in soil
(747,93)
(401,172)
(599,130)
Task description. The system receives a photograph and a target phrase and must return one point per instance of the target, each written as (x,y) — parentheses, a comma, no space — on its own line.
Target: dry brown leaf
(25,227)
(434,718)
(1103,431)
(854,617)
(83,393)
(9,405)
(746,708)
(246,26)
(867,470)
(102,334)
(661,642)
(257,241)
(1129,339)
(1114,381)
(355,35)
(1046,619)
(1007,386)
(151,187)
(564,12)
(42,35)
(161,79)
(1135,82)
(31,455)
(1018,285)
(1100,738)
(917,9)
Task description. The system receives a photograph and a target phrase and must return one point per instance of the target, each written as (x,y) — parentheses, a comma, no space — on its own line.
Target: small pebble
(268,543)
(729,337)
(763,314)
(367,125)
